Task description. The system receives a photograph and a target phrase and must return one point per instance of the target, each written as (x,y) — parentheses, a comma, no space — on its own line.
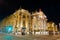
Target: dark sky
(50,7)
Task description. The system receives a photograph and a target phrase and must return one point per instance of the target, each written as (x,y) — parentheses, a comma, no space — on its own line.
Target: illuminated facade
(39,23)
(24,22)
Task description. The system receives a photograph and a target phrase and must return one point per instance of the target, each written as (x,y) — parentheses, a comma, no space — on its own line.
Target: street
(28,37)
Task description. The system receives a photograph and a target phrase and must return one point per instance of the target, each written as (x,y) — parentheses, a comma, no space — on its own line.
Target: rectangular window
(23,23)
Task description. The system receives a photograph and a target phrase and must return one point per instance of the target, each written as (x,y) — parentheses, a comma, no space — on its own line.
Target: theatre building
(20,21)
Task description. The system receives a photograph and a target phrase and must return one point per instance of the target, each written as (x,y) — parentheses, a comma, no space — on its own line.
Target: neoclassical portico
(24,21)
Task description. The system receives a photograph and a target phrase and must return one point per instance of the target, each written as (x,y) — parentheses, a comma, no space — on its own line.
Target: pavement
(28,37)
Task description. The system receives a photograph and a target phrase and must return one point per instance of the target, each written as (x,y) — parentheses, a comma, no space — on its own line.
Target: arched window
(27,16)
(20,14)
(23,16)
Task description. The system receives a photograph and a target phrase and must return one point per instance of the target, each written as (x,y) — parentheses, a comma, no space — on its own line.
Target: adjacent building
(39,23)
(52,28)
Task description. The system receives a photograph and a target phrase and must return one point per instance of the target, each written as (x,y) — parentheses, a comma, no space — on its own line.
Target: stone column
(27,27)
(21,22)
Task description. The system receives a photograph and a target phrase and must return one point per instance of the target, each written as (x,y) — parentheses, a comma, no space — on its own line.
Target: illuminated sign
(8,29)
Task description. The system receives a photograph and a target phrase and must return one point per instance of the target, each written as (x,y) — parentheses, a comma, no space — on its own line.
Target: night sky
(51,8)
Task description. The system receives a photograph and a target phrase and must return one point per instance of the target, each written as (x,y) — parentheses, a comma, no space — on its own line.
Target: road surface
(28,37)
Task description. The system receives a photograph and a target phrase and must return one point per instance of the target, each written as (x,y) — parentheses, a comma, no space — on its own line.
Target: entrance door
(23,31)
